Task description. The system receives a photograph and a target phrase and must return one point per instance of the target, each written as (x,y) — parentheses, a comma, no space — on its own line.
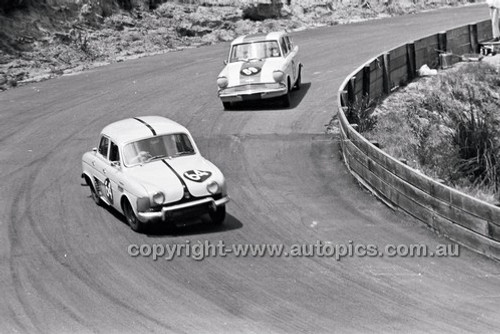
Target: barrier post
(386,68)
(474,45)
(344,98)
(442,42)
(366,81)
(351,90)
(410,61)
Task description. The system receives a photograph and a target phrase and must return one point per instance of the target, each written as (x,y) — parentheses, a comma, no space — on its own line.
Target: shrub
(447,126)
(360,112)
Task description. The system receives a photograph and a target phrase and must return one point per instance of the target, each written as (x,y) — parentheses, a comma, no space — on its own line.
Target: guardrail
(464,219)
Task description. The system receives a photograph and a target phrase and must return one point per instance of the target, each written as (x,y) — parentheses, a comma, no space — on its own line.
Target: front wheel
(226,105)
(132,219)
(219,215)
(285,100)
(298,83)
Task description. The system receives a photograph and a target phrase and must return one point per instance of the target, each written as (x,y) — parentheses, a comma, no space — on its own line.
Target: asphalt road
(64,265)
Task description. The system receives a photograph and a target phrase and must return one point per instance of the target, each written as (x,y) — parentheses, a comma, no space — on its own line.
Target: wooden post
(442,42)
(344,98)
(410,61)
(366,81)
(386,68)
(474,44)
(351,90)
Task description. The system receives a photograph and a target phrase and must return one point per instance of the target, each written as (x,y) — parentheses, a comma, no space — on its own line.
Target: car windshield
(255,50)
(158,147)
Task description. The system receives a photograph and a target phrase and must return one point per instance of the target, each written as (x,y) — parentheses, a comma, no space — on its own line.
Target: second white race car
(258,67)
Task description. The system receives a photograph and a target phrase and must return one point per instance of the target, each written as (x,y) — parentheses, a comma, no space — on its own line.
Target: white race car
(149,169)
(260,67)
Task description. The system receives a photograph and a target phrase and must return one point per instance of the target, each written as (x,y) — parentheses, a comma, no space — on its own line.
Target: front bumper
(208,203)
(252,92)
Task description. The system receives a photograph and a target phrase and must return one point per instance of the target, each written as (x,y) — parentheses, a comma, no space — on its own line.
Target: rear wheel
(226,105)
(132,219)
(219,215)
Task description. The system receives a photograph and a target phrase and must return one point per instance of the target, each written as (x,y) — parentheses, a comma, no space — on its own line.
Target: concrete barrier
(464,219)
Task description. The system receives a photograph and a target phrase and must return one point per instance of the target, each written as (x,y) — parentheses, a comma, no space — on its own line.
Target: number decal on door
(109,190)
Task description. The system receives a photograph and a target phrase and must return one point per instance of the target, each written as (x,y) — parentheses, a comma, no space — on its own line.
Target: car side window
(289,43)
(103,146)
(114,154)
(284,46)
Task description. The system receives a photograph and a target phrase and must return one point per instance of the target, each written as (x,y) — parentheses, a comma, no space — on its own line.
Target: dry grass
(448,127)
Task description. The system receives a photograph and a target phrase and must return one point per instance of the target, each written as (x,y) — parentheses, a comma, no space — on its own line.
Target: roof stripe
(146,124)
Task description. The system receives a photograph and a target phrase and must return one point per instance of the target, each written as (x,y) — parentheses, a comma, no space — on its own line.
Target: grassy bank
(448,127)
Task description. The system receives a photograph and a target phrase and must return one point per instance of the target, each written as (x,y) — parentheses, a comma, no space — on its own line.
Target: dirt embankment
(448,127)
(41,39)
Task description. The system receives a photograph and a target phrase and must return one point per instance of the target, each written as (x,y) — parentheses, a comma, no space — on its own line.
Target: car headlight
(213,187)
(278,76)
(158,198)
(222,82)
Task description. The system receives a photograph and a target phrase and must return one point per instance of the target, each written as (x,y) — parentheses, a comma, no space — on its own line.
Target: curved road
(64,266)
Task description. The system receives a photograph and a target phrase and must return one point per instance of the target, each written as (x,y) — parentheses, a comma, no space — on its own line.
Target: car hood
(170,175)
(259,71)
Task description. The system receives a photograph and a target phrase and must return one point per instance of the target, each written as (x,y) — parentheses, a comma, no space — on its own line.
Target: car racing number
(250,70)
(108,190)
(197,175)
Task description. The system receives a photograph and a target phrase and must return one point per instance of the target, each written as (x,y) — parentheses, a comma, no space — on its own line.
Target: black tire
(285,100)
(93,193)
(298,83)
(226,105)
(218,216)
(131,218)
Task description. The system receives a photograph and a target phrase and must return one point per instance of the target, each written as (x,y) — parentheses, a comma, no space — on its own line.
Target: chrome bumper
(147,216)
(237,94)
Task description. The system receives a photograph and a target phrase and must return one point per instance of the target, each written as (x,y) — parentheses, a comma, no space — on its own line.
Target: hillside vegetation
(448,127)
(40,39)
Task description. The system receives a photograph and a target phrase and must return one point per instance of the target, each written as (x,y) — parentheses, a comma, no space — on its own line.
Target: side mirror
(225,62)
(94,149)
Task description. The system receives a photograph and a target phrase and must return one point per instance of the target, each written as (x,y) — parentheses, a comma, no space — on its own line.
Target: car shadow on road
(201,225)
(296,97)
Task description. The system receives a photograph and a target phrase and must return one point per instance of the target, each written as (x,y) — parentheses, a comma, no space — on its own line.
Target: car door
(101,166)
(293,49)
(288,66)
(113,175)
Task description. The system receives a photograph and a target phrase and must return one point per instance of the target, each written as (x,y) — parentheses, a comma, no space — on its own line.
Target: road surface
(64,264)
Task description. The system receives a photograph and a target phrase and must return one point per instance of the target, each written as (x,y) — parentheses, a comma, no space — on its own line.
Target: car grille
(192,212)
